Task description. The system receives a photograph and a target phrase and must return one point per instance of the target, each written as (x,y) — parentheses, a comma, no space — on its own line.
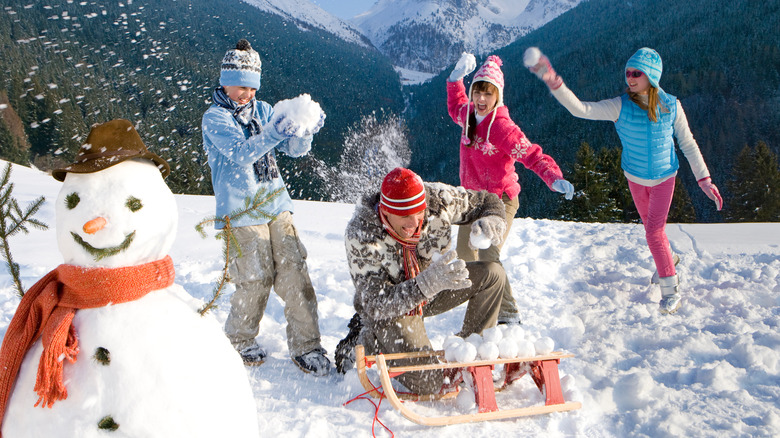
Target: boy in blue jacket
(240,136)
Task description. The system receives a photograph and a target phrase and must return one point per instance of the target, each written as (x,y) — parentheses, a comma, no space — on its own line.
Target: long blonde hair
(653,103)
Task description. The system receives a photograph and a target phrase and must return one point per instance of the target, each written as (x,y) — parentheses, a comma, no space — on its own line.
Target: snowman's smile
(101,253)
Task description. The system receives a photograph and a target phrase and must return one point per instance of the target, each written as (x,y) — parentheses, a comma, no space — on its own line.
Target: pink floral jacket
(489,163)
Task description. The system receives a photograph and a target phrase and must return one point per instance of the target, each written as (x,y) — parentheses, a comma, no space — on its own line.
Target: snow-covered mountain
(429,35)
(304,12)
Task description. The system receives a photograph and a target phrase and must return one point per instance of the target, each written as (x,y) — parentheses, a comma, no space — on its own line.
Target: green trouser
(492,254)
(407,333)
(272,255)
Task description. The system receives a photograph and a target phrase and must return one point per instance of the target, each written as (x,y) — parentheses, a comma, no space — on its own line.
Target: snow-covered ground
(712,369)
(411,77)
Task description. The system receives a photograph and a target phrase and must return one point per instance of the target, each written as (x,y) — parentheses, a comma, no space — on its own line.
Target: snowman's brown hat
(108,144)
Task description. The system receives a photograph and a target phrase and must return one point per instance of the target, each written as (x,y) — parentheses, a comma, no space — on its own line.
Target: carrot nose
(95,225)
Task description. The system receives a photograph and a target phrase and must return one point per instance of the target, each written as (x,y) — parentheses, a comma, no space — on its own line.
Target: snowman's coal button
(102,356)
(108,423)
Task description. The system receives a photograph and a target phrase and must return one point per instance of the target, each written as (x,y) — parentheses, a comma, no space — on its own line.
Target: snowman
(106,344)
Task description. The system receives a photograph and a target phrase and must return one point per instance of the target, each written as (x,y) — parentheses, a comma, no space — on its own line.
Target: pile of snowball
(506,341)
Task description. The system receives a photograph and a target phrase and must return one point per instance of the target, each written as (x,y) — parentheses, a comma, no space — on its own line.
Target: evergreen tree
(754,186)
(592,202)
(609,162)
(682,210)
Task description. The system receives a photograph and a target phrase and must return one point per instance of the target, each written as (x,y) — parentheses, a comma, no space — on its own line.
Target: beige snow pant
(272,255)
(407,333)
(492,254)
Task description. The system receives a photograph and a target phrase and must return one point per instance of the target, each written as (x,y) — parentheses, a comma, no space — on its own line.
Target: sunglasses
(633,74)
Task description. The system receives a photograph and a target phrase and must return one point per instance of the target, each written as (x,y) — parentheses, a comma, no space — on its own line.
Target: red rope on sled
(376,410)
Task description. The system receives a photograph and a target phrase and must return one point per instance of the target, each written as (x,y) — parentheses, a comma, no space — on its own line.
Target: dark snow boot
(314,362)
(253,355)
(345,350)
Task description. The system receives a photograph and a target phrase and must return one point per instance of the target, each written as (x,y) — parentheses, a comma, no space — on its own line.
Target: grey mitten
(486,231)
(466,64)
(285,126)
(449,272)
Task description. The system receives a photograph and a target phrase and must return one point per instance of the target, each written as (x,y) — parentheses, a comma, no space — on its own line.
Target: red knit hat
(403,193)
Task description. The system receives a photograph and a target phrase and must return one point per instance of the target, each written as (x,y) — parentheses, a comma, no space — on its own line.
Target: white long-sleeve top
(609,109)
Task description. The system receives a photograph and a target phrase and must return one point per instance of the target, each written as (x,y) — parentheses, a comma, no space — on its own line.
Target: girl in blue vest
(647,120)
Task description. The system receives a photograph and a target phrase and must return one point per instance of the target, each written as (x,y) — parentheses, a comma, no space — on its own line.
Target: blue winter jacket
(648,148)
(234,156)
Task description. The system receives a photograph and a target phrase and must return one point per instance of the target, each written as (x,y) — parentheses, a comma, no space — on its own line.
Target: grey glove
(466,64)
(487,229)
(449,272)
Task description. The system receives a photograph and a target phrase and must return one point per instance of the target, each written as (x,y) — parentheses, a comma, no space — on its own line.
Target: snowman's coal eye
(72,200)
(134,204)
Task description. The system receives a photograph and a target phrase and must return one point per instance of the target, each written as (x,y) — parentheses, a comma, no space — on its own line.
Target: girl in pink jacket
(490,144)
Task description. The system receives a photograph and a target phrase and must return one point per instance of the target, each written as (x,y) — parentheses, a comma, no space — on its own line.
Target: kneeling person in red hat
(398,250)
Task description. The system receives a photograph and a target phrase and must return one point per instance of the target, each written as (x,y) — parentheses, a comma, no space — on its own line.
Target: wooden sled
(543,370)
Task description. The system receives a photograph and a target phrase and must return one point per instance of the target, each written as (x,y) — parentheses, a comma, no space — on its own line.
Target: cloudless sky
(345,9)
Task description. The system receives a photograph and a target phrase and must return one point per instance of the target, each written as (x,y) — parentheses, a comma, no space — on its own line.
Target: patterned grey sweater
(375,258)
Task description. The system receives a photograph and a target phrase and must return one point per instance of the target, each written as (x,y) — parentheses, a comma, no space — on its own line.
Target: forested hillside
(721,59)
(65,65)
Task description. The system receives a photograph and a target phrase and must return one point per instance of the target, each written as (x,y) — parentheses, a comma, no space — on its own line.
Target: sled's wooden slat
(409,355)
(445,365)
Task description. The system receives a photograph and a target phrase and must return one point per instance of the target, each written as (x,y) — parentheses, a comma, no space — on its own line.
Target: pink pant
(653,204)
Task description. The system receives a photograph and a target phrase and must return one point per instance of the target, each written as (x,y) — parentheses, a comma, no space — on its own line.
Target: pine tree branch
(253,207)
(12,221)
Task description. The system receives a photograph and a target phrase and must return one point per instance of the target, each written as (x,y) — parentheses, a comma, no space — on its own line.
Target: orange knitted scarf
(47,311)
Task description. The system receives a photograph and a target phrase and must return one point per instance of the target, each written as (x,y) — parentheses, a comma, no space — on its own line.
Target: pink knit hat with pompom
(491,72)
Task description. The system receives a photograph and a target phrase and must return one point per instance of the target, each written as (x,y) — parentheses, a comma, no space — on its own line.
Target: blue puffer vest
(648,148)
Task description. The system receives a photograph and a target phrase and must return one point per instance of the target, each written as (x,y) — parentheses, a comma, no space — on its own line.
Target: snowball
(531,56)
(573,395)
(488,351)
(480,241)
(451,345)
(466,352)
(525,348)
(513,331)
(474,339)
(304,111)
(493,334)
(466,400)
(507,348)
(568,383)
(450,340)
(544,345)
(450,353)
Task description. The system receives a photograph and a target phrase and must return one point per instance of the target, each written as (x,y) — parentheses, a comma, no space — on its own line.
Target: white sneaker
(670,303)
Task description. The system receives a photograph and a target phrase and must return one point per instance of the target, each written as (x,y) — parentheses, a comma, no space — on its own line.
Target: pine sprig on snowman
(253,207)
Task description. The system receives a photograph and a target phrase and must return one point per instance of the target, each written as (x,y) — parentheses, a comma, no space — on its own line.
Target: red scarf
(411,264)
(47,311)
